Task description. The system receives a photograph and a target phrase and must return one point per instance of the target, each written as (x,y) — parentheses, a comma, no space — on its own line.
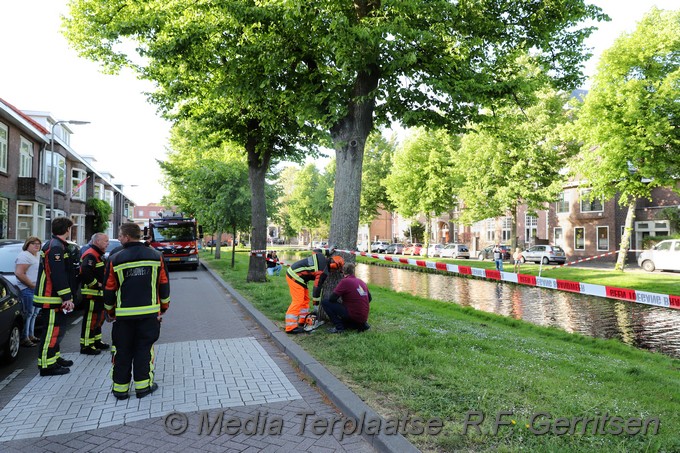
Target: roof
(31,126)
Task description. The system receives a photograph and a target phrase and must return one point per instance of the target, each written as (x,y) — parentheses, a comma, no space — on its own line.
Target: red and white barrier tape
(590,258)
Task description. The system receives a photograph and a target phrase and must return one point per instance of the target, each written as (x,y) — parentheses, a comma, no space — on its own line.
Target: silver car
(664,256)
(455,251)
(545,254)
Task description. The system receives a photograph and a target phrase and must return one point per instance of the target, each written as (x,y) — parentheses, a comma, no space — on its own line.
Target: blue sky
(126,136)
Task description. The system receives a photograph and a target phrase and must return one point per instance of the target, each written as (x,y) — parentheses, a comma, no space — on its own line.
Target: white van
(664,256)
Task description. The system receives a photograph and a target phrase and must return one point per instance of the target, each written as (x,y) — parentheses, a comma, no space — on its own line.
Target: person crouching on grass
(349,305)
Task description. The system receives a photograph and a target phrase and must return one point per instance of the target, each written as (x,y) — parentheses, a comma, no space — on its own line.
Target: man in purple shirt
(348,306)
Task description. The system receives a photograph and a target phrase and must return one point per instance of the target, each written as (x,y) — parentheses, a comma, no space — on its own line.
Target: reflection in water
(639,325)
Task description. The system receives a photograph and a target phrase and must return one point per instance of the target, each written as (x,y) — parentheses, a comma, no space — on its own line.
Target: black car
(487,252)
(11,310)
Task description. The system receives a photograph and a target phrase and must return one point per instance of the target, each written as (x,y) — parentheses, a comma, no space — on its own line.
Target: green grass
(655,282)
(432,359)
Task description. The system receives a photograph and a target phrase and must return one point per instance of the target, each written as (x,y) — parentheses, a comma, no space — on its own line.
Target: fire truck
(176,238)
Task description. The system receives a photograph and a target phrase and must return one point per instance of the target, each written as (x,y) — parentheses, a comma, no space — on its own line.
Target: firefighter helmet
(336,263)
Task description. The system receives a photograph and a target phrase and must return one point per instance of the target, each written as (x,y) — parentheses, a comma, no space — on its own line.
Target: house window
(152,213)
(25,159)
(141,213)
(4,219)
(603,238)
(507,228)
(78,184)
(490,229)
(531,228)
(3,147)
(587,205)
(562,204)
(60,165)
(30,220)
(559,236)
(78,228)
(99,191)
(108,196)
(579,238)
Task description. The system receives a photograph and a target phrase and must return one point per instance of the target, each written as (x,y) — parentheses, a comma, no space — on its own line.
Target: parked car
(432,250)
(664,256)
(319,244)
(11,310)
(413,249)
(379,246)
(545,254)
(455,251)
(487,252)
(113,243)
(395,249)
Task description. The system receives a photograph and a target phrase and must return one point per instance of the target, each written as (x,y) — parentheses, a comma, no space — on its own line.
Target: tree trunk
(233,246)
(428,233)
(513,230)
(625,239)
(218,245)
(349,139)
(258,164)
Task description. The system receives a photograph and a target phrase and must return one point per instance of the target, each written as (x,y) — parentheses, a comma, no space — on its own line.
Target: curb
(346,400)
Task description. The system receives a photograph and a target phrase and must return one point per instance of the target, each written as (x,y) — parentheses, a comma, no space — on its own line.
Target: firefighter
(136,295)
(313,268)
(54,293)
(92,280)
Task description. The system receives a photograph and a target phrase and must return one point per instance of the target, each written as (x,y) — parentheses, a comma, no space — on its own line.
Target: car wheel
(648,266)
(480,257)
(545,260)
(523,260)
(13,344)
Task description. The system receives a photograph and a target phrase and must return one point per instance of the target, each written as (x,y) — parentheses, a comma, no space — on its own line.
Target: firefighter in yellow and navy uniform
(313,268)
(92,280)
(136,294)
(54,291)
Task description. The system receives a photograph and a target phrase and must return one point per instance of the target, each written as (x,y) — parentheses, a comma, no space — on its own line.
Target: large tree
(629,123)
(422,178)
(224,64)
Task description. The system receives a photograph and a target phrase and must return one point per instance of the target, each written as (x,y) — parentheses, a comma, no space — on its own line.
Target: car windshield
(8,256)
(173,233)
(113,243)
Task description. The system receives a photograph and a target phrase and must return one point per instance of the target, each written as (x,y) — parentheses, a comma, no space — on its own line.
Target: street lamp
(54,169)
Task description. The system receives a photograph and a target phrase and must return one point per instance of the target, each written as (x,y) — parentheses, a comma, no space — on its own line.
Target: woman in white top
(26,271)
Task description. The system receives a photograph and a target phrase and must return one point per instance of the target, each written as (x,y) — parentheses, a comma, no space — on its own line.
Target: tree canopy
(629,123)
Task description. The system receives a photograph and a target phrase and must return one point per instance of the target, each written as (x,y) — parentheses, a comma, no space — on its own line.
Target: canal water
(642,326)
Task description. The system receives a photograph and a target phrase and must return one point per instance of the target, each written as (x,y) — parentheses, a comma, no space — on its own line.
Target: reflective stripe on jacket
(52,285)
(136,282)
(91,271)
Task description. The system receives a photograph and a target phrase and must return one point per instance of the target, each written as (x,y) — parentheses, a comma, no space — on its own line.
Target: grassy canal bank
(556,391)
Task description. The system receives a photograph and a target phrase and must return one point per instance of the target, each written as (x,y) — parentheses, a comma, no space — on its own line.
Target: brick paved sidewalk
(212,364)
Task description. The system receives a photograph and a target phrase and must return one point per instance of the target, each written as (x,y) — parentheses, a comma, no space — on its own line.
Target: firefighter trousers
(48,351)
(133,341)
(93,318)
(299,307)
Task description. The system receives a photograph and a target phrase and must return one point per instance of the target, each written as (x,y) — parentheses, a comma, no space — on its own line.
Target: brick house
(26,170)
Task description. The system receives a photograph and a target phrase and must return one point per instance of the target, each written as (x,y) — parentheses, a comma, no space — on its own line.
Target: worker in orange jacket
(313,268)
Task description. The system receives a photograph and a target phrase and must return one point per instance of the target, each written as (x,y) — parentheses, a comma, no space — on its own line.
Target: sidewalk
(223,386)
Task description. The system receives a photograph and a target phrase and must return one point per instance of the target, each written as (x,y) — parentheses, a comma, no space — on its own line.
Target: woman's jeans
(30,312)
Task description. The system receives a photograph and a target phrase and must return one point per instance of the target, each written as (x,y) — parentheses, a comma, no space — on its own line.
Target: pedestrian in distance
(136,295)
(55,289)
(349,305)
(498,257)
(517,258)
(26,271)
(92,279)
(313,268)
(273,265)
